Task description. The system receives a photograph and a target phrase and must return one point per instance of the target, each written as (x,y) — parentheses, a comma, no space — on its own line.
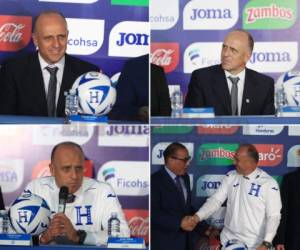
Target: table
(270,119)
(60,247)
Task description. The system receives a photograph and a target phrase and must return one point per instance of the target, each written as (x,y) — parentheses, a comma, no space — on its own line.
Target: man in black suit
(35,84)
(132,102)
(172,227)
(212,86)
(160,98)
(287,237)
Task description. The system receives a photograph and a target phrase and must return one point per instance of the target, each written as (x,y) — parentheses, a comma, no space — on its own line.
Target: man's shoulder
(42,182)
(92,184)
(259,76)
(72,61)
(209,70)
(21,60)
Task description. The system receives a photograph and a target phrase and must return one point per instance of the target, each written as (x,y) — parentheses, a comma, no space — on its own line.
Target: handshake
(188,223)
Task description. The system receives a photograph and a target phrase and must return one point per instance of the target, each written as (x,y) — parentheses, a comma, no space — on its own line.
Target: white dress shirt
(240,85)
(253,207)
(46,75)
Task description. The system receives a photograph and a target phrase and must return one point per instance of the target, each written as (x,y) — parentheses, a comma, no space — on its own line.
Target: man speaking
(82,213)
(35,84)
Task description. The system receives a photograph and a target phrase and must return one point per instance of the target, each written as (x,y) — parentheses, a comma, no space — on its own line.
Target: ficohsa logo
(217,219)
(208,184)
(216,154)
(129,39)
(159,148)
(128,178)
(269,154)
(85,36)
(164,14)
(11,174)
(210,15)
(15,32)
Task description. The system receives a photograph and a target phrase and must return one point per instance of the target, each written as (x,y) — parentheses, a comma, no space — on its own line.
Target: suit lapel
(248,93)
(220,88)
(38,85)
(172,187)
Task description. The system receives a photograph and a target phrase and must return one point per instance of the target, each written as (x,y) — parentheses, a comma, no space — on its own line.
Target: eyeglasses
(185,160)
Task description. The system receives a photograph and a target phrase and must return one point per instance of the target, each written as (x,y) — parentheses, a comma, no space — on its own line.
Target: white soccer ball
(290,82)
(235,245)
(95,92)
(29,214)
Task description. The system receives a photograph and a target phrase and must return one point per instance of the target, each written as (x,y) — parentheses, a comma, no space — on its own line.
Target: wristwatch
(267,244)
(82,235)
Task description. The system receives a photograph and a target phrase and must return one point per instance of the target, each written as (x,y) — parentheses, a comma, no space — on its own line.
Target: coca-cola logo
(138,222)
(15,32)
(165,55)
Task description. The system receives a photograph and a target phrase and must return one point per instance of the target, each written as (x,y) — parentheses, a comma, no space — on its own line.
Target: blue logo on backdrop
(254,190)
(81,214)
(133,39)
(270,57)
(211,14)
(210,185)
(81,42)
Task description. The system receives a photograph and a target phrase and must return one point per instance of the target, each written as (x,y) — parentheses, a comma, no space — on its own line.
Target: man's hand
(60,225)
(188,223)
(262,247)
(280,247)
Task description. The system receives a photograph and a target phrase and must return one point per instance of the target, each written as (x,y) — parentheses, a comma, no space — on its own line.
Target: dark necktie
(234,95)
(71,198)
(51,96)
(179,187)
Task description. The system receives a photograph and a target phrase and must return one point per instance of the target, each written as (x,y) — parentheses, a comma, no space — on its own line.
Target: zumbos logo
(129,39)
(85,35)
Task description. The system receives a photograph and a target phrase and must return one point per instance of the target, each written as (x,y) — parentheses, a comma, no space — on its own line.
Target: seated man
(91,203)
(231,88)
(132,102)
(35,84)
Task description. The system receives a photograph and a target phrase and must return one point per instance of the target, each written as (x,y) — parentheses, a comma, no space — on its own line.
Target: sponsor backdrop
(104,32)
(187,35)
(25,155)
(212,149)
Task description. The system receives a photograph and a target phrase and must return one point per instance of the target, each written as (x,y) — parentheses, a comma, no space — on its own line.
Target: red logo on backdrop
(41,169)
(217,129)
(269,154)
(138,222)
(165,55)
(15,32)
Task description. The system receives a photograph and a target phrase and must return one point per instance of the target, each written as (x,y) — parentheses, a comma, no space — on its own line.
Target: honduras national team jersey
(91,210)
(253,207)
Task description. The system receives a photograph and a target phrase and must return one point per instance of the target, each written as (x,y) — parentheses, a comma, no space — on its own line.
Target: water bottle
(71,105)
(280,101)
(177,103)
(4,222)
(114,226)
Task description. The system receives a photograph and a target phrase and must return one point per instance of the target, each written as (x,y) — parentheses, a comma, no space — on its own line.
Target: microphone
(63,195)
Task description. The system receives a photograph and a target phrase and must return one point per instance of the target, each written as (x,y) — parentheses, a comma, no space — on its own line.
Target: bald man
(212,86)
(89,205)
(28,83)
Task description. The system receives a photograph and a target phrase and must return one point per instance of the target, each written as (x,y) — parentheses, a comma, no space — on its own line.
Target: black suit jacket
(288,231)
(208,88)
(167,211)
(22,90)
(132,90)
(160,98)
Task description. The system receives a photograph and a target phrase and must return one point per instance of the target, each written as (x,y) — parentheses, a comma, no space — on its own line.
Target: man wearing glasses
(253,202)
(172,227)
(89,203)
